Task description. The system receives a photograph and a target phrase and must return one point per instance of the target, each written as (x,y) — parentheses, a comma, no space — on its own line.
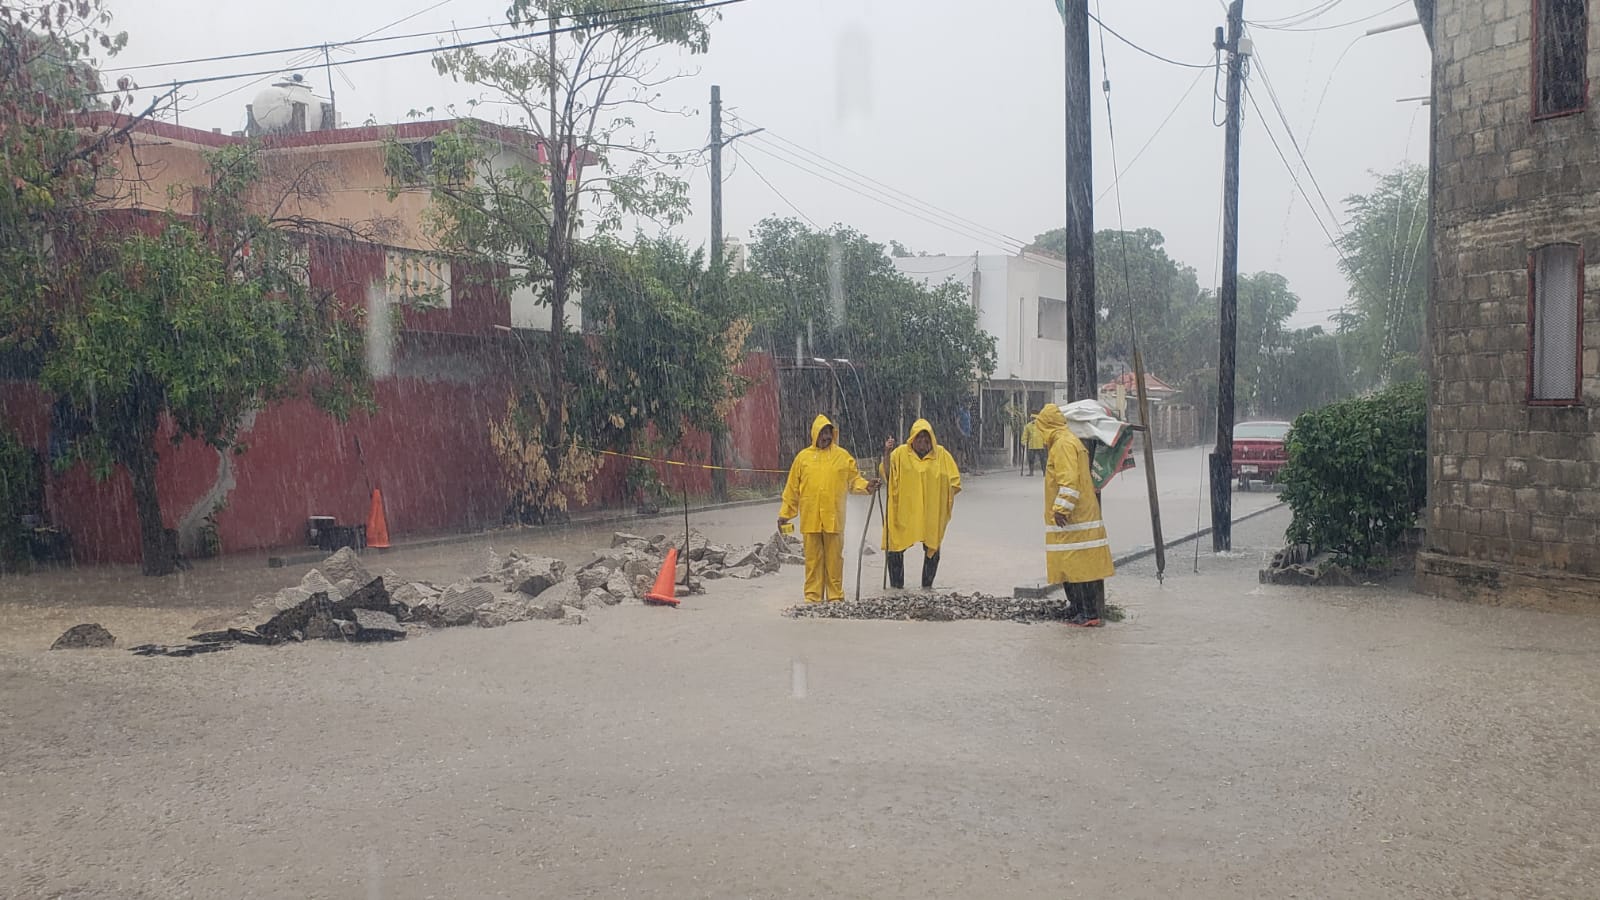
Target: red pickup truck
(1259,452)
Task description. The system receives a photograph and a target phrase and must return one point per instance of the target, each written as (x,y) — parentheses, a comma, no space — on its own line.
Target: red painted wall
(426,447)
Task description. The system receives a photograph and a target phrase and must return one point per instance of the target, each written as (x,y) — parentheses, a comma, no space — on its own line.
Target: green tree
(48,166)
(198,323)
(839,294)
(1162,294)
(1382,259)
(576,93)
(1307,372)
(1137,284)
(669,340)
(1265,306)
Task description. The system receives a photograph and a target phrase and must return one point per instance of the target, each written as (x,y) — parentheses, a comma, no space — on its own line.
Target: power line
(1366,18)
(1153,135)
(1334,243)
(367,38)
(773,153)
(304,58)
(869,183)
(280,51)
(676,9)
(1303,16)
(772,187)
(1272,95)
(1150,53)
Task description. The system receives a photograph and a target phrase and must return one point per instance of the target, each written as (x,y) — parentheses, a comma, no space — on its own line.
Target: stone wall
(1514,488)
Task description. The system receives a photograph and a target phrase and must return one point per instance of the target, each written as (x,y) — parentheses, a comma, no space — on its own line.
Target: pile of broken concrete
(934,606)
(341,600)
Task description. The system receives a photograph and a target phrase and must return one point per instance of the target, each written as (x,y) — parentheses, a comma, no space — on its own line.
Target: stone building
(1514,326)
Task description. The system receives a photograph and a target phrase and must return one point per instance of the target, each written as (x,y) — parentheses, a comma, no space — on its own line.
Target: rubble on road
(936,607)
(340,600)
(1299,565)
(89,636)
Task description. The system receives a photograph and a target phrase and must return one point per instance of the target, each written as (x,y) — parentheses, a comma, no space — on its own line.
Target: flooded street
(1229,740)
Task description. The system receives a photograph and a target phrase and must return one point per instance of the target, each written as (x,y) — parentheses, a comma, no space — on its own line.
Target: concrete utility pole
(1082,365)
(719,442)
(721,445)
(716,176)
(1238,50)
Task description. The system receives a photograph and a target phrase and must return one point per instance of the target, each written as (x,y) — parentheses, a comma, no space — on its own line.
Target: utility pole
(1238,50)
(716,176)
(721,445)
(1082,366)
(719,442)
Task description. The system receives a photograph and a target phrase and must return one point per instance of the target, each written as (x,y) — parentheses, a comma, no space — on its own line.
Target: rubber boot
(1074,610)
(1095,601)
(930,567)
(897,568)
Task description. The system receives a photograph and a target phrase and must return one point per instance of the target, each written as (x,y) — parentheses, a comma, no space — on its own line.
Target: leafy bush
(1357,473)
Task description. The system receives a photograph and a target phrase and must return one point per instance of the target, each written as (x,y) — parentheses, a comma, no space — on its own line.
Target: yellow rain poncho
(1033,435)
(1077,551)
(819,481)
(921,493)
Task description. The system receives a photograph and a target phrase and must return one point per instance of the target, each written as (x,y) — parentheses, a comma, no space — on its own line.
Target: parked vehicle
(1259,452)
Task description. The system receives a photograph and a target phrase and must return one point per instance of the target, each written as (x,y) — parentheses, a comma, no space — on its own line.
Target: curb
(1177,542)
(611,518)
(1039,590)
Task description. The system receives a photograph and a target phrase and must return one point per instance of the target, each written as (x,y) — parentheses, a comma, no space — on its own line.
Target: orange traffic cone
(664,591)
(377,525)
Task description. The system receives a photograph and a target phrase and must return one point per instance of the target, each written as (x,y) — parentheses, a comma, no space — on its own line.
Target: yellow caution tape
(686,465)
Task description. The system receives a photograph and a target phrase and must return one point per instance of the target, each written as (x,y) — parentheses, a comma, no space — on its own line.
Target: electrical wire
(310,55)
(1305,15)
(462,45)
(774,188)
(1335,243)
(872,183)
(1366,18)
(1272,95)
(1150,53)
(369,38)
(775,153)
(1153,135)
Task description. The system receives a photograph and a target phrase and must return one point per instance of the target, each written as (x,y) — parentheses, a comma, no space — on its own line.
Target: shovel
(862,550)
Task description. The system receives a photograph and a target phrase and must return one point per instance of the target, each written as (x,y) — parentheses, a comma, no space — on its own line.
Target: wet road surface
(1229,740)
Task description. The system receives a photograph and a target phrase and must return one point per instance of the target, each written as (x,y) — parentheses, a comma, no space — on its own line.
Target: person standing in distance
(1033,443)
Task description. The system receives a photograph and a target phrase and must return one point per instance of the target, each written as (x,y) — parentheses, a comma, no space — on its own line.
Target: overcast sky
(956,104)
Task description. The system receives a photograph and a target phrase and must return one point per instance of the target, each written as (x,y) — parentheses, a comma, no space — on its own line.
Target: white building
(1021,301)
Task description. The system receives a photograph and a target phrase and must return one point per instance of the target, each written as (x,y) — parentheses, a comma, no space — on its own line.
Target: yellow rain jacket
(921,491)
(1033,435)
(818,482)
(1077,551)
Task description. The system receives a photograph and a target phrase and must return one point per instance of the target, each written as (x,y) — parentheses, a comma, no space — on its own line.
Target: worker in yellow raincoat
(820,477)
(1033,442)
(923,482)
(1077,554)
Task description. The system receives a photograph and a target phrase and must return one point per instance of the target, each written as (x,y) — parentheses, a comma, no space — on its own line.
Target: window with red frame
(1560,55)
(1555,324)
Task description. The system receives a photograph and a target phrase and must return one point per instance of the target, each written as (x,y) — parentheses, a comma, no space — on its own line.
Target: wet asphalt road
(1230,740)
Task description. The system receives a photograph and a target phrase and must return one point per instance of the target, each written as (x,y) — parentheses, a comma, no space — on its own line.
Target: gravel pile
(936,607)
